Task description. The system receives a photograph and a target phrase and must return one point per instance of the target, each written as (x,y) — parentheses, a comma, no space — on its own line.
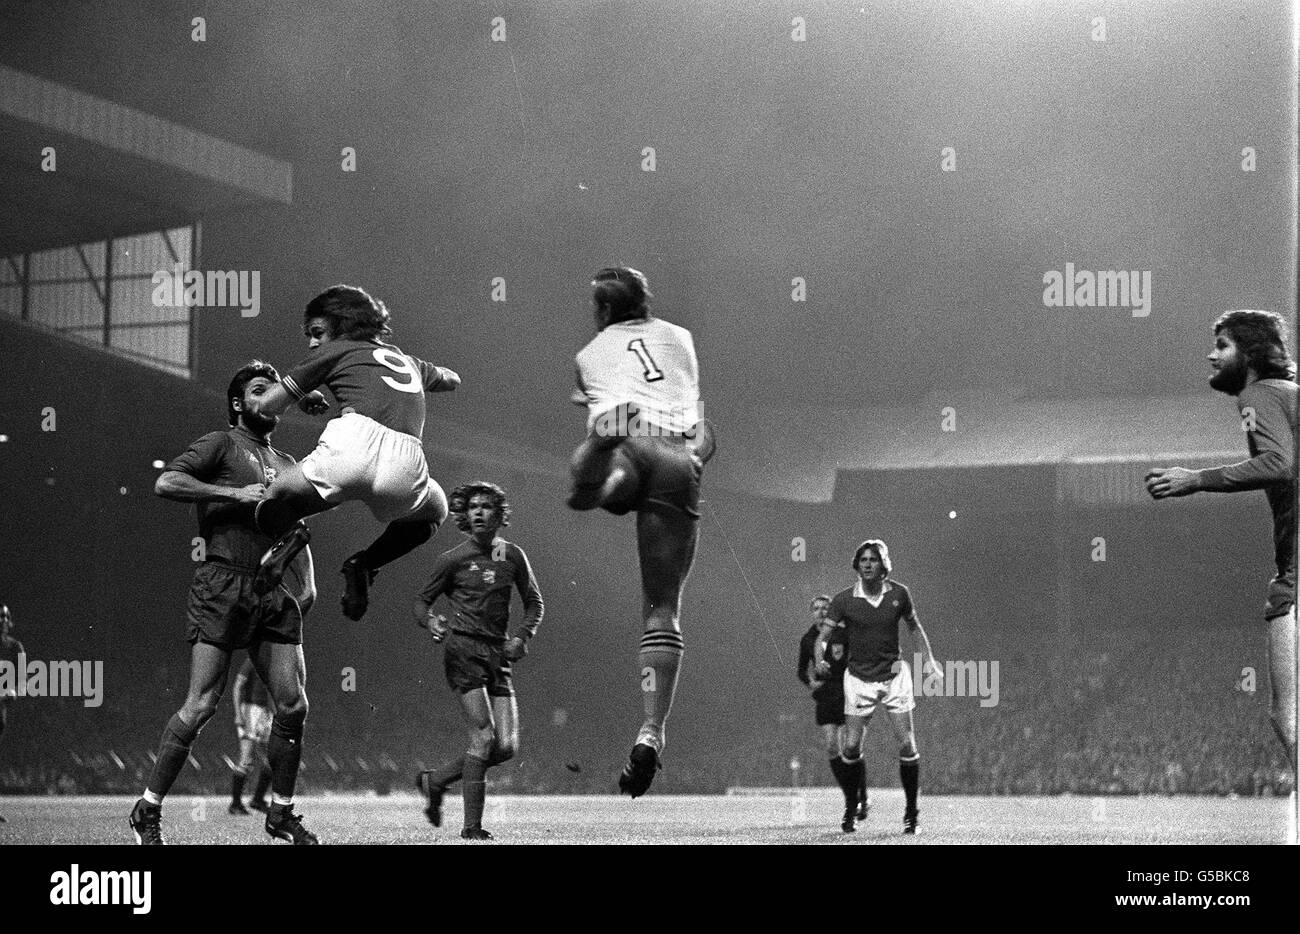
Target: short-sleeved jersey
(252,689)
(477,581)
(370,378)
(650,363)
(232,458)
(1269,413)
(870,633)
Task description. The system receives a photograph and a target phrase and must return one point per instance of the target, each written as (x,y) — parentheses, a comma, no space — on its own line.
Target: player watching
(10,649)
(371,452)
(226,473)
(645,451)
(1250,362)
(476,578)
(253,727)
(828,696)
(875,672)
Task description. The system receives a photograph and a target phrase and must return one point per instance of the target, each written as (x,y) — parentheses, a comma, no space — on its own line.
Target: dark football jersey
(870,633)
(233,458)
(10,649)
(833,655)
(478,586)
(1271,437)
(370,378)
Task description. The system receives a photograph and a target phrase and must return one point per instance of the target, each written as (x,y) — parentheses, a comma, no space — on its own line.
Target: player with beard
(371,453)
(875,673)
(645,452)
(10,649)
(226,473)
(1250,362)
(476,578)
(828,696)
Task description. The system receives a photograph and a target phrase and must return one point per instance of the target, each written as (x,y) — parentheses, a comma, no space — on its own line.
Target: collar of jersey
(859,592)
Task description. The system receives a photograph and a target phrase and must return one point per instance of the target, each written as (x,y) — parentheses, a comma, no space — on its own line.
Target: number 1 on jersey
(651,370)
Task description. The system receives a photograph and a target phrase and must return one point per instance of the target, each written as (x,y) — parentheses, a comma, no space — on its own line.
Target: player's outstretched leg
(603,475)
(290,499)
(282,668)
(666,540)
(400,537)
(1282,663)
(209,666)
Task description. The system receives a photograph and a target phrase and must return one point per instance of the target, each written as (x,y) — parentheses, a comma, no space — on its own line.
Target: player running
(876,674)
(476,577)
(226,473)
(253,727)
(10,649)
(371,452)
(645,451)
(828,696)
(1250,361)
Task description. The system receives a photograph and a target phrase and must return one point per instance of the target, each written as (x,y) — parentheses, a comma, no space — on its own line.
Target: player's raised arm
(437,378)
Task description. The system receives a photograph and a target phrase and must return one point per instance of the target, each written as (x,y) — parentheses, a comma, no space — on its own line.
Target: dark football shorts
(830,707)
(223,610)
(1281,595)
(472,663)
(669,474)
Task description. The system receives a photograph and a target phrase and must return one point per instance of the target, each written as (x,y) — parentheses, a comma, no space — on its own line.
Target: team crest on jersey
(489,575)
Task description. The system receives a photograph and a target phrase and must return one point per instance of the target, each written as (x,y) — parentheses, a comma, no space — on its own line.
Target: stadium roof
(794,452)
(117,171)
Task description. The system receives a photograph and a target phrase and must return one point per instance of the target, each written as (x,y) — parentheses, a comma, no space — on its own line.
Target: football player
(1250,362)
(645,452)
(476,577)
(253,727)
(828,697)
(371,452)
(10,649)
(875,673)
(226,473)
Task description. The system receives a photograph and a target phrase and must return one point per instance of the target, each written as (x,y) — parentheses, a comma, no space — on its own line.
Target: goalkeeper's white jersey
(650,363)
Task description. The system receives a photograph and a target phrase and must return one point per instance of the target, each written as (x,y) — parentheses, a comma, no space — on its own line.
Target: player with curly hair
(372,452)
(476,578)
(1250,362)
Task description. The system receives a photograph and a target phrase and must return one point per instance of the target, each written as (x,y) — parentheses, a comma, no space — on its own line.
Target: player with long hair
(372,452)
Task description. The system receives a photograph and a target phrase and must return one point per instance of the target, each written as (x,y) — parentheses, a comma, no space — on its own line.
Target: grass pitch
(811,817)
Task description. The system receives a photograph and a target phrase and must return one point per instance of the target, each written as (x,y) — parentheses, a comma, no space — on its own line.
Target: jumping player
(226,473)
(476,578)
(253,715)
(645,451)
(876,674)
(828,697)
(1250,361)
(372,452)
(10,649)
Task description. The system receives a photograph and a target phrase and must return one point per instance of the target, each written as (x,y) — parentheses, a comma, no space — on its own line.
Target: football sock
(909,772)
(852,776)
(838,767)
(395,541)
(660,659)
(862,779)
(173,749)
(474,790)
(284,750)
(449,773)
(263,784)
(237,780)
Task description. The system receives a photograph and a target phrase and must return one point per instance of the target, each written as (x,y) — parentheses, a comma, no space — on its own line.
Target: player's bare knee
(907,751)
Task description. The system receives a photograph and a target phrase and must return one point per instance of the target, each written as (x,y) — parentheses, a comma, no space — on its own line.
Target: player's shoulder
(899,592)
(843,595)
(1283,390)
(218,440)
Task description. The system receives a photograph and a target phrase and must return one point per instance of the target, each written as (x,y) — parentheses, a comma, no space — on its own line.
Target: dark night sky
(775,159)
